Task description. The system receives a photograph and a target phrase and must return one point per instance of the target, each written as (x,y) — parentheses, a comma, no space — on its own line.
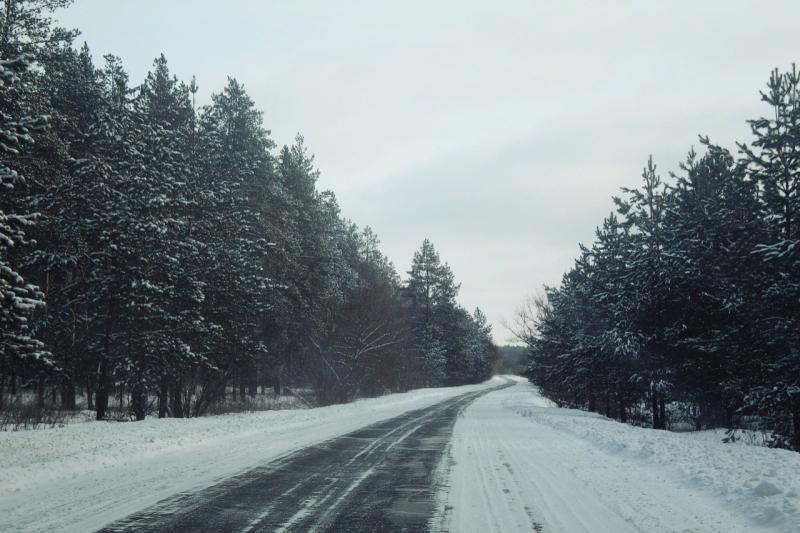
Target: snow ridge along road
(379,478)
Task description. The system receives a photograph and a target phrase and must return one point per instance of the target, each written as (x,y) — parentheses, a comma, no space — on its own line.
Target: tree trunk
(186,402)
(68,393)
(89,391)
(68,381)
(727,417)
(662,412)
(702,408)
(222,393)
(654,408)
(622,414)
(176,391)
(796,426)
(103,386)
(40,395)
(252,386)
(139,401)
(2,381)
(103,372)
(163,397)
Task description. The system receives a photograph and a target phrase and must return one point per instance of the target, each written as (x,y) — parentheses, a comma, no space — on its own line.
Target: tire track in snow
(510,473)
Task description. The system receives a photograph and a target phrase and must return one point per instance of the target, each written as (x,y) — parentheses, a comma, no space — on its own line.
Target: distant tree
(431,292)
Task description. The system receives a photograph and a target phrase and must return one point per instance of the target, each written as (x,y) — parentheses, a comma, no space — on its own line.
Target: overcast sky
(498,129)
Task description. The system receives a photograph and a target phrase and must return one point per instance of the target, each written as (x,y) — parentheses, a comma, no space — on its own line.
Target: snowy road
(518,464)
(480,458)
(379,478)
(84,476)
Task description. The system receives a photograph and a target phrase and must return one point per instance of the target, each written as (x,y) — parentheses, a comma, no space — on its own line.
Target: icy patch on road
(83,476)
(520,465)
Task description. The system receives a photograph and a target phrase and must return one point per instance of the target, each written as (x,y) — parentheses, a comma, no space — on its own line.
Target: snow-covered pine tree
(316,253)
(431,291)
(124,204)
(645,209)
(692,296)
(27,29)
(235,167)
(71,87)
(615,344)
(712,225)
(18,297)
(177,256)
(773,161)
(481,353)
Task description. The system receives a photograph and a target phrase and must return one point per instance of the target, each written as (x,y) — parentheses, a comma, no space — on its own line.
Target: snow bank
(761,485)
(83,476)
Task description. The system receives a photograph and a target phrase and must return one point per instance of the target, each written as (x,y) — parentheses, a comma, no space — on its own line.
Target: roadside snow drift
(83,476)
(518,464)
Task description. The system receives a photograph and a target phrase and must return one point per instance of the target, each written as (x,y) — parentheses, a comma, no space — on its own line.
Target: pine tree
(71,88)
(774,163)
(235,167)
(689,295)
(713,224)
(181,258)
(431,291)
(18,298)
(645,209)
(27,28)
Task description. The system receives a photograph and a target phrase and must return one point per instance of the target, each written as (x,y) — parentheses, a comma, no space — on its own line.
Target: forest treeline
(689,298)
(172,253)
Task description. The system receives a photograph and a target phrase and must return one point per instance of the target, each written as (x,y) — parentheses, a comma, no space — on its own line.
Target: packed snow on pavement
(517,463)
(83,476)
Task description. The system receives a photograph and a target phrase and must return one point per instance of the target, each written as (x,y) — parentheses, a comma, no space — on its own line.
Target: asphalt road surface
(379,478)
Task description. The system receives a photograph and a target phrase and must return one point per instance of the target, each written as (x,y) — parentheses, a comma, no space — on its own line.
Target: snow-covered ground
(83,476)
(516,463)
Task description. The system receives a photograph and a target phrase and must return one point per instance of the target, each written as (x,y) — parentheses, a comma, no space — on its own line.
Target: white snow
(83,476)
(516,463)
